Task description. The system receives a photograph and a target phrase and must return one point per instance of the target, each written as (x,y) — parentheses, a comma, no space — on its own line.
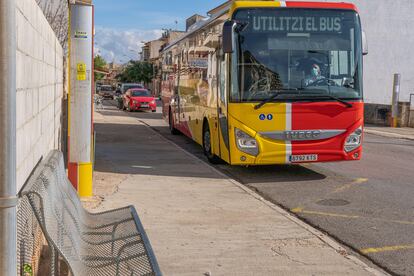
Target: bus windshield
(307,51)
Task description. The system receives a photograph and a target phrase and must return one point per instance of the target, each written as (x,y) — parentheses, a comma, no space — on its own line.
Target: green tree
(100,64)
(137,71)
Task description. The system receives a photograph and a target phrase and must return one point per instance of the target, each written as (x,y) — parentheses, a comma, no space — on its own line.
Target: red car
(139,99)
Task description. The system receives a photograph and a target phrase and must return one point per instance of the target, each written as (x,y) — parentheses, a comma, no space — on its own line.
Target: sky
(121,26)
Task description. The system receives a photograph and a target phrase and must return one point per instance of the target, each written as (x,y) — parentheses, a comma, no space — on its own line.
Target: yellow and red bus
(269,82)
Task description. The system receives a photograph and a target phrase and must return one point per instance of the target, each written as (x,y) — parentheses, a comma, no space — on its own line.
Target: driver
(315,75)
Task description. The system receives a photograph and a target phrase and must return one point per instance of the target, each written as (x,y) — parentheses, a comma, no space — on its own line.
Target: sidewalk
(199,221)
(400,133)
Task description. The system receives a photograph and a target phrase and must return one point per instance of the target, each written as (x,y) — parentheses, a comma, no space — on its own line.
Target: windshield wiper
(277,94)
(345,103)
(302,96)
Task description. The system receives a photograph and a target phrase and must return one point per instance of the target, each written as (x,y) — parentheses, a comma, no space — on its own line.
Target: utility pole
(8,199)
(395,99)
(81,146)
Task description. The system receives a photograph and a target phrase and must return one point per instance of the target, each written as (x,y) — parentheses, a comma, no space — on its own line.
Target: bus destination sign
(296,24)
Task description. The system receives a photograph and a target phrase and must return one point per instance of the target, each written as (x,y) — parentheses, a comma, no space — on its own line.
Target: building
(112,71)
(151,53)
(151,50)
(192,20)
(145,54)
(389,29)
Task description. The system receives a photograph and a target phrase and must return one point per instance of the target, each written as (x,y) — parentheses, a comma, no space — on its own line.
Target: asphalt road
(367,205)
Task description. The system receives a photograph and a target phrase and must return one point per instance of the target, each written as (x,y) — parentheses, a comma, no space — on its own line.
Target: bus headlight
(354,140)
(246,143)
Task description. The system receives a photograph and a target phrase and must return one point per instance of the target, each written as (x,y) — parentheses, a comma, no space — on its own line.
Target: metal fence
(29,239)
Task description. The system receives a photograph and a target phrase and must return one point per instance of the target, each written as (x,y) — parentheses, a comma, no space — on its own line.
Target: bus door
(222,106)
(176,97)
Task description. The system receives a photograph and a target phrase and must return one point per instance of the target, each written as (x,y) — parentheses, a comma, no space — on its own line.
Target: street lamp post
(80,133)
(8,199)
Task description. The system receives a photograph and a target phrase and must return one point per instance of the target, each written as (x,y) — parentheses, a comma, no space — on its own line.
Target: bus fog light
(246,143)
(243,158)
(353,141)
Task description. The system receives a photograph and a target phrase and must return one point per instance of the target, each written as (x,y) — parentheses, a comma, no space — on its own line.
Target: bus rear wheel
(173,130)
(212,158)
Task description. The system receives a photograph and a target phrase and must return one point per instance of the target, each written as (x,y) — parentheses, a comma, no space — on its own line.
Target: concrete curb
(323,237)
(388,134)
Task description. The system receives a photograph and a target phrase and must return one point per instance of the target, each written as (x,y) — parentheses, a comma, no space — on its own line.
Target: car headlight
(152,102)
(354,140)
(246,143)
(135,102)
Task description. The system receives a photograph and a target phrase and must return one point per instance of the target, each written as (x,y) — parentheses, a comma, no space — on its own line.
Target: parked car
(139,99)
(124,87)
(98,87)
(106,91)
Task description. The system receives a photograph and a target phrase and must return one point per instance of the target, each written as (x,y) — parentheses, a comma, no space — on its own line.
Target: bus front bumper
(296,152)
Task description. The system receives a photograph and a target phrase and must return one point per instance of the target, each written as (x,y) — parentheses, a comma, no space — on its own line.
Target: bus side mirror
(228,36)
(364,44)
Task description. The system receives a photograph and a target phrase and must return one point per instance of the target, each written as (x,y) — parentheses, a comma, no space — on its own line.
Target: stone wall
(39,62)
(380,114)
(39,96)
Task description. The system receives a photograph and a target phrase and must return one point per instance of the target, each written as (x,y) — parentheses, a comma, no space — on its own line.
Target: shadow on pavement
(138,114)
(133,149)
(272,174)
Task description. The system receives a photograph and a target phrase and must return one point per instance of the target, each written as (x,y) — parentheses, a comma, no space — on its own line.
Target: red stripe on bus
(321,5)
(325,116)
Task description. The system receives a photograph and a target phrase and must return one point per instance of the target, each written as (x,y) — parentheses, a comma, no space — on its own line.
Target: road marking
(386,248)
(297,210)
(143,167)
(350,185)
(395,221)
(404,222)
(301,210)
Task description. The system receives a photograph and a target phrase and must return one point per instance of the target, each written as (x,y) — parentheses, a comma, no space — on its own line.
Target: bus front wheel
(212,158)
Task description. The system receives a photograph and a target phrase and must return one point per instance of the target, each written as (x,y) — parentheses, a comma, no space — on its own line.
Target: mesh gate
(29,239)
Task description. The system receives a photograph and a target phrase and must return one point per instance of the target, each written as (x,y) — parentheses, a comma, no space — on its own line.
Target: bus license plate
(304,158)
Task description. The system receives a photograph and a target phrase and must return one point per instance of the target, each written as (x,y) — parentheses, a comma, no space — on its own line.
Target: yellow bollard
(85,180)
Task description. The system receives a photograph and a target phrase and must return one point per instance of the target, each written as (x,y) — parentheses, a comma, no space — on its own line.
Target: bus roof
(232,6)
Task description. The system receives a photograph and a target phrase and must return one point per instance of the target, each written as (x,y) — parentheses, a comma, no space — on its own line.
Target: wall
(388,25)
(39,88)
(155,47)
(389,28)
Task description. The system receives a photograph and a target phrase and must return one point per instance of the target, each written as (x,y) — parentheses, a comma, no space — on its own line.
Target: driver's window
(339,63)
